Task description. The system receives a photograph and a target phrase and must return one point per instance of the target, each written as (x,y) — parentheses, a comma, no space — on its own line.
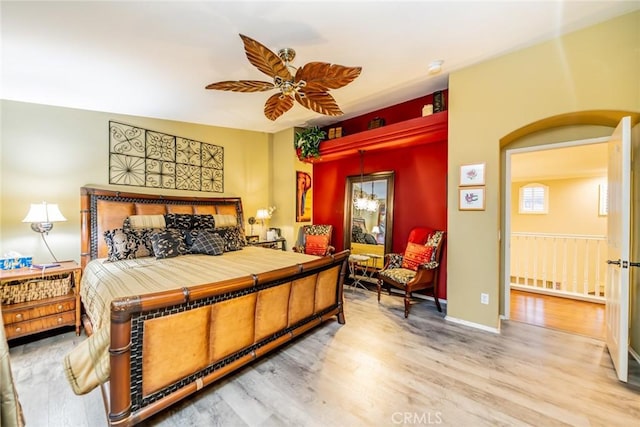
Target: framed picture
(472,174)
(303,196)
(471,199)
(253,239)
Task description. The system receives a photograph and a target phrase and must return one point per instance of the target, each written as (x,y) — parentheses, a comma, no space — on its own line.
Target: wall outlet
(484,298)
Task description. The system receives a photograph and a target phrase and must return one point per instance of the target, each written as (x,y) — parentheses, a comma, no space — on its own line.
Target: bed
(162,329)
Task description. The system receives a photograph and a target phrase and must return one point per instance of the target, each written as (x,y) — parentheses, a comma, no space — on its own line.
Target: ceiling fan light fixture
(435,66)
(308,85)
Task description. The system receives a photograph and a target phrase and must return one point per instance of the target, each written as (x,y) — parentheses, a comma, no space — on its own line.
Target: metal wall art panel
(146,158)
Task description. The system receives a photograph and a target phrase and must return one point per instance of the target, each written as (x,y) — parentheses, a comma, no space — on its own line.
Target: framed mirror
(368,215)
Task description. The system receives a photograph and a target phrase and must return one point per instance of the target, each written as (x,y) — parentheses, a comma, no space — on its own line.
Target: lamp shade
(375,229)
(44,212)
(262,214)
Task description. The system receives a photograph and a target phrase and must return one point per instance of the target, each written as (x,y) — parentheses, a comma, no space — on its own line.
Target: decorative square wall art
(472,174)
(146,158)
(471,199)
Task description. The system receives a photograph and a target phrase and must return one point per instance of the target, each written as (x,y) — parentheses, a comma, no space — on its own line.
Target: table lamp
(42,216)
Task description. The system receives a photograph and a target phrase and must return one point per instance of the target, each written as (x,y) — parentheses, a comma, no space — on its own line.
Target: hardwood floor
(579,317)
(379,369)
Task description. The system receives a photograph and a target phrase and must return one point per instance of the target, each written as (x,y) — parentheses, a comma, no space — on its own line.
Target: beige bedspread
(87,365)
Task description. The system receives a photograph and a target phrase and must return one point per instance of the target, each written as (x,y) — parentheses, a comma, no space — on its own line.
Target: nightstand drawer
(14,313)
(19,329)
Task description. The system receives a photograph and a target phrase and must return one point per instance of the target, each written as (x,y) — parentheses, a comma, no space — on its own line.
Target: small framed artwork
(471,199)
(253,239)
(472,174)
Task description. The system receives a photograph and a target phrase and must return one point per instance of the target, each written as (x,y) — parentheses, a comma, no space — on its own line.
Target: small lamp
(42,216)
(375,230)
(261,215)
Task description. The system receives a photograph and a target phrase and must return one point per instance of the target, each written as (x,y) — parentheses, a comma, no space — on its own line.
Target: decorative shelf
(418,131)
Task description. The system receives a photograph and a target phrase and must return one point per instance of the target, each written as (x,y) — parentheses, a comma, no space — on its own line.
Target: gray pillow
(208,243)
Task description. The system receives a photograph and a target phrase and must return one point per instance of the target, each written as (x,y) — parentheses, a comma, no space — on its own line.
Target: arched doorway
(565,130)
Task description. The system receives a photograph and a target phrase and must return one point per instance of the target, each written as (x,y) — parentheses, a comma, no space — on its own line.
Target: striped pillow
(415,255)
(135,222)
(316,245)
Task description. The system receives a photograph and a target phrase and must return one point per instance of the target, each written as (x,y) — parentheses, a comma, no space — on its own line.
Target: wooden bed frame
(151,367)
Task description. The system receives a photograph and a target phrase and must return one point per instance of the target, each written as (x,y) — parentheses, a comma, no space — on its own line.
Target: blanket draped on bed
(87,365)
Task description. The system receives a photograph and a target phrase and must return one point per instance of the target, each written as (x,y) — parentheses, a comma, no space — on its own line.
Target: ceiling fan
(309,84)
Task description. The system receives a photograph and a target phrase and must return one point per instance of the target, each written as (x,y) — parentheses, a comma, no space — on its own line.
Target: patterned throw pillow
(180,221)
(207,242)
(168,244)
(140,241)
(316,245)
(233,238)
(202,222)
(415,255)
(118,245)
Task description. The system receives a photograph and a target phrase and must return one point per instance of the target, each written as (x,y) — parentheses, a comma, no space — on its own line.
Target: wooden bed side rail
(168,345)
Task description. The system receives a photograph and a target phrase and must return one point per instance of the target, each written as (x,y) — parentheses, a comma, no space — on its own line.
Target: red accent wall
(394,114)
(420,191)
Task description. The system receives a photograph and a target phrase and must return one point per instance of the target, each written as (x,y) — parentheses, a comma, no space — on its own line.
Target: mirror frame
(348,206)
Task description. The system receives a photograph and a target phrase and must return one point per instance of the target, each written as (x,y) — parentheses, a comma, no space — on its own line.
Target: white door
(618,243)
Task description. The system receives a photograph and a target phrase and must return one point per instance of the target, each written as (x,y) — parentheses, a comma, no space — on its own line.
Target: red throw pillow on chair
(316,245)
(415,255)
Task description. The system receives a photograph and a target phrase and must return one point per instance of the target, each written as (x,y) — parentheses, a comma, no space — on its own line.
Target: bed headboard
(102,210)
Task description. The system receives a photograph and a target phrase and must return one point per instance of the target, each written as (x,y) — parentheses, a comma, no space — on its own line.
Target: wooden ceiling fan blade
(322,76)
(277,105)
(242,86)
(264,59)
(320,102)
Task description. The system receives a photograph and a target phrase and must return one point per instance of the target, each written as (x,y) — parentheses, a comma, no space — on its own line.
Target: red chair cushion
(415,255)
(316,245)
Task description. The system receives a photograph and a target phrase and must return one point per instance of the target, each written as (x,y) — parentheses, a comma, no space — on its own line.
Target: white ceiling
(154,58)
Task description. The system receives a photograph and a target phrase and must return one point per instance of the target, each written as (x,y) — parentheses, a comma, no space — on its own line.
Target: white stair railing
(569,265)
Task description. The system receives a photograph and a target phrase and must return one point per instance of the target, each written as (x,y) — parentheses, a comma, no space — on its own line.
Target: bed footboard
(168,345)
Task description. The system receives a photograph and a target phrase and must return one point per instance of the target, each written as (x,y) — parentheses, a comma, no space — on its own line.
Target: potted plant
(307,143)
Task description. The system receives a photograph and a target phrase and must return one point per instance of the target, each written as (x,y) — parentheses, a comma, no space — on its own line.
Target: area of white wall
(48,153)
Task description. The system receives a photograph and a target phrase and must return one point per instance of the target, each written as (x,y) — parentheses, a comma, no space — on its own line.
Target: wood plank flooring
(579,317)
(379,369)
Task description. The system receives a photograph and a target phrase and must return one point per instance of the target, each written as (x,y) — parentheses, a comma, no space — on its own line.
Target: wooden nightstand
(48,299)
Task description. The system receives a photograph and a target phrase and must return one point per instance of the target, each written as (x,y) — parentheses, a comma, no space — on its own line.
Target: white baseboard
(473,325)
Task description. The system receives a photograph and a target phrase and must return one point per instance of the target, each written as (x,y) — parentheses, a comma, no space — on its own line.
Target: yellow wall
(284,185)
(573,208)
(593,69)
(48,153)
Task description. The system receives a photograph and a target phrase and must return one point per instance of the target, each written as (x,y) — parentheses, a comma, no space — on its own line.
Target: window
(603,204)
(534,199)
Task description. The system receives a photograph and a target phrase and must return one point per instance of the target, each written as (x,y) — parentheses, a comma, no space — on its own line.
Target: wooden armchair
(416,269)
(315,240)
